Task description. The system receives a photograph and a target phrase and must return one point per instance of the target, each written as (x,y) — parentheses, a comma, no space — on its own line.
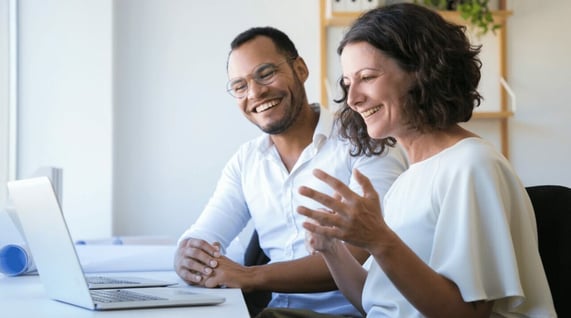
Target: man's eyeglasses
(264,74)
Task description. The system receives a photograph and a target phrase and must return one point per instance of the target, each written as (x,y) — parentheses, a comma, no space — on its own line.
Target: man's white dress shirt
(255,185)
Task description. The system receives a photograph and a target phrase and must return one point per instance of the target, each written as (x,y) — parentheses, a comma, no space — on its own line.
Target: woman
(456,236)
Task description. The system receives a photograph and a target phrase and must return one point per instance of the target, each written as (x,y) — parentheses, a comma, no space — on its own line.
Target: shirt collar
(324,125)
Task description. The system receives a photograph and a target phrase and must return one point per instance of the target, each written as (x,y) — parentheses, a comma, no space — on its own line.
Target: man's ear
(300,68)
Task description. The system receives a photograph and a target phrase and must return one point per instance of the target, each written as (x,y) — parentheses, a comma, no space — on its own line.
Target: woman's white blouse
(466,214)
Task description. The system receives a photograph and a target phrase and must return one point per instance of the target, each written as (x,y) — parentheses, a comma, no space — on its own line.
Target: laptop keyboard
(120,295)
(97,280)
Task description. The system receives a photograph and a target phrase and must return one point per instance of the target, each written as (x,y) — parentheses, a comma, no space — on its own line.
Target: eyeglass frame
(256,77)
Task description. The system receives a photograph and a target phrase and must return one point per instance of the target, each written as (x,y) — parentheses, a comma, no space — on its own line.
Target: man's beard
(292,113)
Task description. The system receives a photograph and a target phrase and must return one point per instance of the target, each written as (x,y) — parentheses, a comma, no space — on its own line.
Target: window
(8,93)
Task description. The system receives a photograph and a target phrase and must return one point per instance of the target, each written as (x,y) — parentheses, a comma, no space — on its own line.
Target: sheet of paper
(116,254)
(126,258)
(15,259)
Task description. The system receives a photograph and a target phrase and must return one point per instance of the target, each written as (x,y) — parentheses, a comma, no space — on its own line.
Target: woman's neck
(421,146)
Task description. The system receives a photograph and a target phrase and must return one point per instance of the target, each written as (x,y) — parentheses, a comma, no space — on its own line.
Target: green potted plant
(476,12)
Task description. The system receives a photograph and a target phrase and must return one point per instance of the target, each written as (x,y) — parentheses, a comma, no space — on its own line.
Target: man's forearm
(307,274)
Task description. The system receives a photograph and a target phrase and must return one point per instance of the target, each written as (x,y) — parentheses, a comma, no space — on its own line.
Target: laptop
(58,265)
(94,281)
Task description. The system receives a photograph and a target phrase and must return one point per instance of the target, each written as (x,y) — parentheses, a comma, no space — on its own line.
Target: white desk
(24,296)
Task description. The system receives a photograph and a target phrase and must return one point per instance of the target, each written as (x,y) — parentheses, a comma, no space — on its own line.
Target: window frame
(8,95)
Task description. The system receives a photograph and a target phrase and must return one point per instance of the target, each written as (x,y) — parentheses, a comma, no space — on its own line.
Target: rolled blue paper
(14,260)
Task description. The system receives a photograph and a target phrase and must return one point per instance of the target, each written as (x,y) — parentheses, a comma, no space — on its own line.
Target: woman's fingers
(369,191)
(340,188)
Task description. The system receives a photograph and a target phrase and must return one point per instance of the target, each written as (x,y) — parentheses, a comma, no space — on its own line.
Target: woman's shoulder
(475,157)
(474,150)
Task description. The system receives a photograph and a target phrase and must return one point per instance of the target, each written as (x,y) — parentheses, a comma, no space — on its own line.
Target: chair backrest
(552,205)
(254,254)
(256,300)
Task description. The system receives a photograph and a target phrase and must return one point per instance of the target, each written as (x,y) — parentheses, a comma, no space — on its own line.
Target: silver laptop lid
(58,265)
(44,230)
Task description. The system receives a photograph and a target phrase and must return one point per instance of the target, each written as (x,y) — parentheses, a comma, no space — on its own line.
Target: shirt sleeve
(226,213)
(473,237)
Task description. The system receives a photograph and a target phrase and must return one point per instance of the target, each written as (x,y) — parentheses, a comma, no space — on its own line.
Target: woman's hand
(355,219)
(314,242)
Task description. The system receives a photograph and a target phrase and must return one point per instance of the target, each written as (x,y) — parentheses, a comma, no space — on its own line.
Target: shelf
(344,19)
(500,16)
(492,115)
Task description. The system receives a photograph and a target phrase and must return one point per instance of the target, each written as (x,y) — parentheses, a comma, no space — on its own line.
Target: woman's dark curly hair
(445,65)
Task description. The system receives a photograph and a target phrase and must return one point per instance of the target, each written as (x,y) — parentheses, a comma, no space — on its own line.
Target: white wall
(148,139)
(175,125)
(539,49)
(65,104)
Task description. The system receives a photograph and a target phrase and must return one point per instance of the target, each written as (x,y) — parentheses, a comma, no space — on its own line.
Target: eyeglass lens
(264,74)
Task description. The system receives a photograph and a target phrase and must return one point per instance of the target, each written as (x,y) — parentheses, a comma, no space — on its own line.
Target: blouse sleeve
(473,243)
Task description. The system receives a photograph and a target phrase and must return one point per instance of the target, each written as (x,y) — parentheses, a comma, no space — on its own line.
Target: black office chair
(256,301)
(552,205)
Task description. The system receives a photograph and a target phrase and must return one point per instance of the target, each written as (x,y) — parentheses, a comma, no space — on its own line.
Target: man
(260,181)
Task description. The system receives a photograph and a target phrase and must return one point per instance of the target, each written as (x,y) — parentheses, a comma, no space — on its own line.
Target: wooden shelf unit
(329,19)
